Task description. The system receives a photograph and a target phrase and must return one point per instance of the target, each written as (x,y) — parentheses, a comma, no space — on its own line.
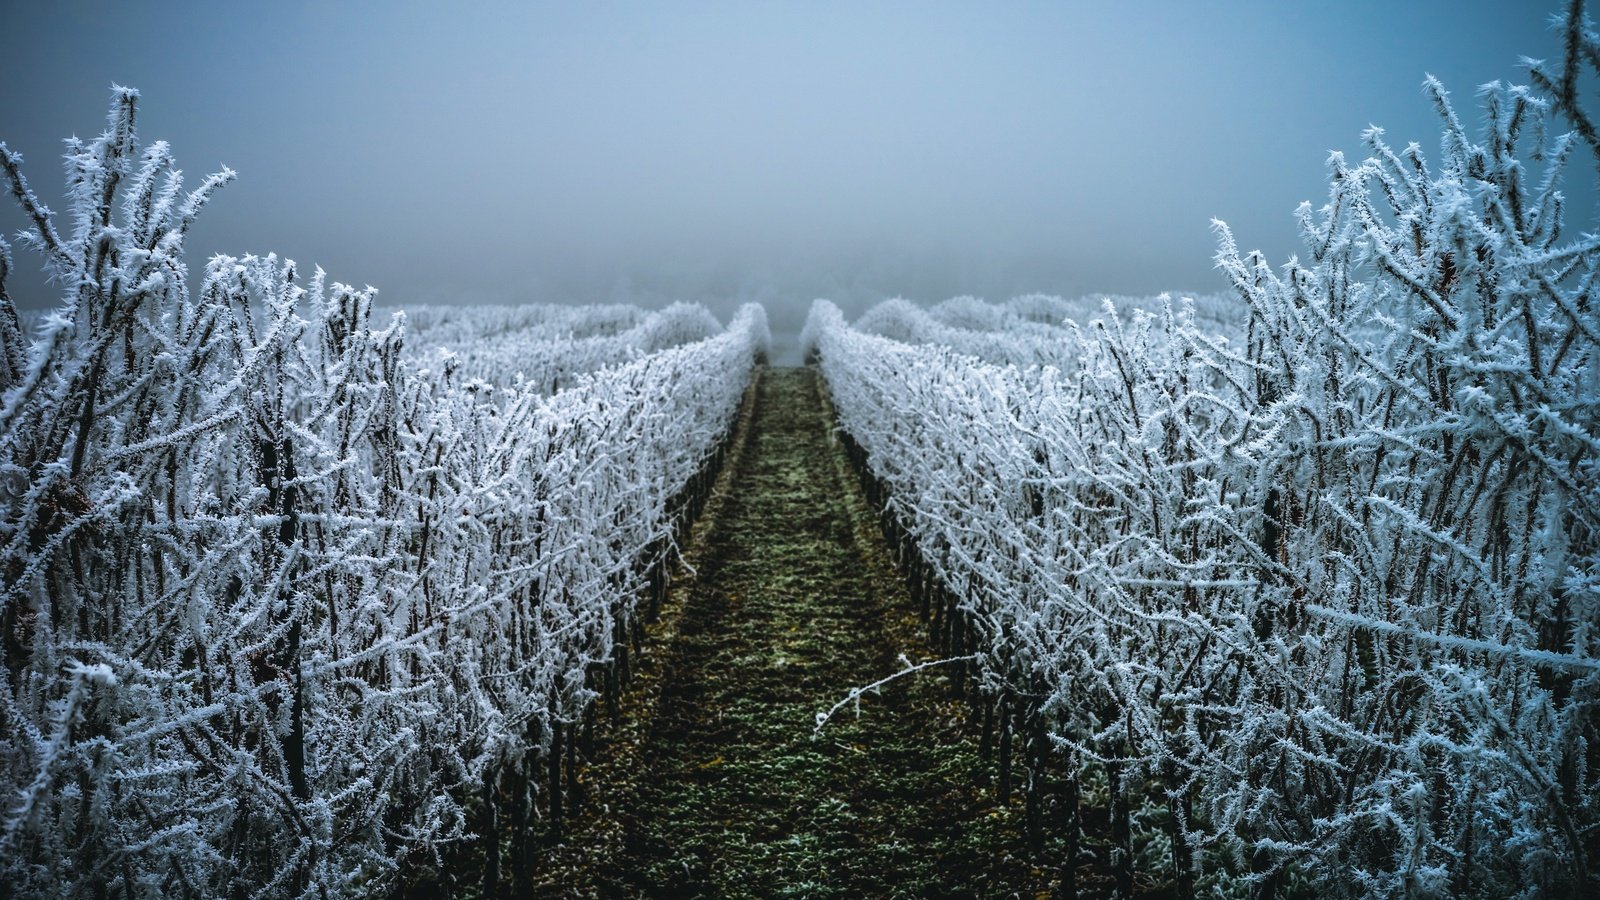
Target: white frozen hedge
(440,325)
(1333,586)
(549,355)
(272,604)
(1034,330)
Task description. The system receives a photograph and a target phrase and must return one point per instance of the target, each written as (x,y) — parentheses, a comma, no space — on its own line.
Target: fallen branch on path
(855,693)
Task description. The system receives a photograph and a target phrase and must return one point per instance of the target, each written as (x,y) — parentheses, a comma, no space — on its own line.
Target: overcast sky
(516,152)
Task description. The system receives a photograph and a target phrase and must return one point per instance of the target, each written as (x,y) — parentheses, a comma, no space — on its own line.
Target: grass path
(708,782)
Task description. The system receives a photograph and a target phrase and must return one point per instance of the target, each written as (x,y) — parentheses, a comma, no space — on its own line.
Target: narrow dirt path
(711,783)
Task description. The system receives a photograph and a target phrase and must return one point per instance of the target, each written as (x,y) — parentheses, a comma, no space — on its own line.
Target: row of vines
(287,608)
(1310,606)
(554,344)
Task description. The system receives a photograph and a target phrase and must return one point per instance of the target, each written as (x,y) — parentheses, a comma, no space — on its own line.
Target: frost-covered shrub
(549,355)
(442,325)
(1334,583)
(273,604)
(968,326)
(1035,330)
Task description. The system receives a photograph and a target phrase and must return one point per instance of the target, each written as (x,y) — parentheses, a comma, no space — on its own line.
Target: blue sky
(518,152)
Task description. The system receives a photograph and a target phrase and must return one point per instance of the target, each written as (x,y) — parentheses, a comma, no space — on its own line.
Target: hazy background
(722,152)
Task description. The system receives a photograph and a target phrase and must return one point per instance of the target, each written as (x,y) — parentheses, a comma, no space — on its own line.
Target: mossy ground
(708,781)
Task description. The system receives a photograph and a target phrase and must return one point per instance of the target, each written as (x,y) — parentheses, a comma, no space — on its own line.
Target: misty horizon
(723,154)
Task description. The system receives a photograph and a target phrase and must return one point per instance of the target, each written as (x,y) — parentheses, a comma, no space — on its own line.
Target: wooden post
(1033,820)
(490,836)
(521,837)
(1004,788)
(1121,831)
(1072,823)
(986,735)
(554,761)
(1179,812)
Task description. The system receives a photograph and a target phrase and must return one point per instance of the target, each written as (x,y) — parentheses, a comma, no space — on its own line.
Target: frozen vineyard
(279,602)
(1320,597)
(1035,330)
(544,348)
(1294,590)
